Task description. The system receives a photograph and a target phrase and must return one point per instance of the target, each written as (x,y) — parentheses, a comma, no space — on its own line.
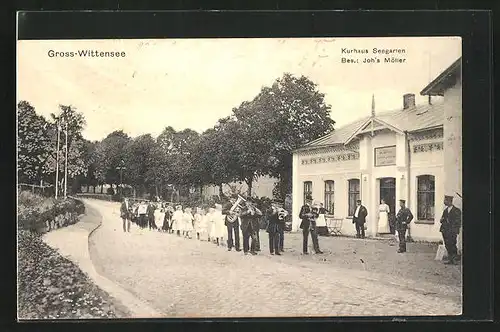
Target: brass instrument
(282,214)
(234,211)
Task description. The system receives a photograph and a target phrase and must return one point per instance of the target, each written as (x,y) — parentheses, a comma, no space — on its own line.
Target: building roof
(445,80)
(414,119)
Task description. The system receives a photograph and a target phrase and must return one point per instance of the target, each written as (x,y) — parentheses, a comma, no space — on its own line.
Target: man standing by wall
(125,214)
(451,221)
(403,218)
(359,219)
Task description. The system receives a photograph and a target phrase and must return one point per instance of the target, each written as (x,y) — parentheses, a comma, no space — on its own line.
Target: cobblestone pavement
(190,278)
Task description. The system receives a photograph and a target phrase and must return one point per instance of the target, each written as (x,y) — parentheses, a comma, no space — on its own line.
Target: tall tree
(108,156)
(33,143)
(291,113)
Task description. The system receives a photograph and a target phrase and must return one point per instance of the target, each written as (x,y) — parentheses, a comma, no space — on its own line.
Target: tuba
(282,214)
(233,214)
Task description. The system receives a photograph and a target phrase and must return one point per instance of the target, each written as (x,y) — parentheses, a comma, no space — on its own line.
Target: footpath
(72,242)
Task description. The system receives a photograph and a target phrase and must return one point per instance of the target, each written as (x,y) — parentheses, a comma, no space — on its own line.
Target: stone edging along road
(73,243)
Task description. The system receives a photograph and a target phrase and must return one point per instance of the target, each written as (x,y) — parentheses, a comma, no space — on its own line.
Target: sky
(191,83)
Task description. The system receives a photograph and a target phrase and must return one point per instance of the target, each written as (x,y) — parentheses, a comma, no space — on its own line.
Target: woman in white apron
(159,215)
(177,220)
(383,218)
(188,222)
(321,221)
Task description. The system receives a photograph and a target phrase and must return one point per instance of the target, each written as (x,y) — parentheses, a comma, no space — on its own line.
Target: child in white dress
(177,220)
(219,224)
(211,225)
(188,222)
(197,223)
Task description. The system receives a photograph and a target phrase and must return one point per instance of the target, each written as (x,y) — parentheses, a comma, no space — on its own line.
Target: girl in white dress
(159,215)
(219,224)
(177,220)
(211,225)
(197,223)
(188,222)
(383,218)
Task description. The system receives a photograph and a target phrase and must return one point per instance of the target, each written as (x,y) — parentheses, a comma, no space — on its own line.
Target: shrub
(39,214)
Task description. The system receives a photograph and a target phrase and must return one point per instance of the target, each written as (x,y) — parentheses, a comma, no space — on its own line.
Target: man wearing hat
(309,214)
(233,227)
(451,220)
(359,219)
(250,226)
(403,218)
(125,214)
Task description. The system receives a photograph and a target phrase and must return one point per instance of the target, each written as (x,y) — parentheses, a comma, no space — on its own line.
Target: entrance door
(388,194)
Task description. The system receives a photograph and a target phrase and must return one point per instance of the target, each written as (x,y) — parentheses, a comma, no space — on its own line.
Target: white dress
(177,220)
(197,223)
(219,226)
(211,225)
(383,219)
(187,222)
(159,216)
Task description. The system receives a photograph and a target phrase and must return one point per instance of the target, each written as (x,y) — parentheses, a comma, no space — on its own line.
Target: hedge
(40,214)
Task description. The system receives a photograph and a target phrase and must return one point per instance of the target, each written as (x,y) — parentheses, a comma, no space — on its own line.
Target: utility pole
(57,156)
(66,164)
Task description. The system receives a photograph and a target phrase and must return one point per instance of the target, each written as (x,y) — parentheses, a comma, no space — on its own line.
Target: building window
(307,189)
(329,196)
(353,195)
(425,197)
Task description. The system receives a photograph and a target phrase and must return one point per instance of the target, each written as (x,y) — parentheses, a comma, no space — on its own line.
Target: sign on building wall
(385,156)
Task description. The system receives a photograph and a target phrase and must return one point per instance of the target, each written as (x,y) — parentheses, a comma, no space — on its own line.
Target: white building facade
(395,155)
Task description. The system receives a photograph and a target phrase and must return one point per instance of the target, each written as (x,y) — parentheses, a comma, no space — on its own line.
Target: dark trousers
(360,230)
(247,235)
(450,242)
(152,224)
(126,224)
(305,238)
(281,234)
(274,242)
(257,239)
(233,229)
(143,221)
(402,239)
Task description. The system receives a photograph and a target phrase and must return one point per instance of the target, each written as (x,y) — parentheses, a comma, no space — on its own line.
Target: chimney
(408,101)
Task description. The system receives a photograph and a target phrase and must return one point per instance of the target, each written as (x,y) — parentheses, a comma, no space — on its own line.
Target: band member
(125,214)
(249,218)
(187,221)
(151,216)
(451,220)
(403,218)
(142,214)
(359,219)
(232,222)
(276,223)
(177,220)
(309,214)
(167,220)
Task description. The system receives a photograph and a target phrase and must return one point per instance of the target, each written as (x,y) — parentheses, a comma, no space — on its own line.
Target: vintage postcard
(221,178)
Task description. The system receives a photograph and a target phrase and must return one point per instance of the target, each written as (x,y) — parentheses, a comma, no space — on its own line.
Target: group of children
(204,224)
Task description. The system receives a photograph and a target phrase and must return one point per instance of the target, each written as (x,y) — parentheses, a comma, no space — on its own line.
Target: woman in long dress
(177,220)
(188,222)
(383,218)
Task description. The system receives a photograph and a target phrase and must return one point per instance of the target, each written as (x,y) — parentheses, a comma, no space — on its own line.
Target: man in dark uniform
(232,227)
(276,224)
(451,220)
(151,216)
(403,218)
(126,214)
(309,214)
(249,226)
(359,219)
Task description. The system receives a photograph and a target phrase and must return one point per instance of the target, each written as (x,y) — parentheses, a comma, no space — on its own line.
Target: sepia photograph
(239,177)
